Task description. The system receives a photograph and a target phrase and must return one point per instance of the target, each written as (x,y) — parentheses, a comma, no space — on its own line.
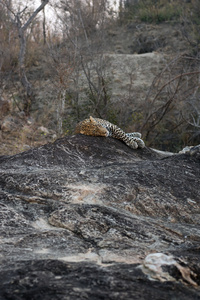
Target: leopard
(100,127)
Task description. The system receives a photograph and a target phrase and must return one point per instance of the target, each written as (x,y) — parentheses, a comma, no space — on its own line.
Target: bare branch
(32,17)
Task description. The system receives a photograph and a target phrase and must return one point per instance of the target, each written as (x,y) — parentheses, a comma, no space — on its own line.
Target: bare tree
(87,36)
(172,102)
(16,18)
(80,61)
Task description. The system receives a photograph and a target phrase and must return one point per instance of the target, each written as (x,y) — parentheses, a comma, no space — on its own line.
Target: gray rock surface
(89,218)
(128,75)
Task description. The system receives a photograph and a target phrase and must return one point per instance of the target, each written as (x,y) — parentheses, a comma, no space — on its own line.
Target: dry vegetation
(53,79)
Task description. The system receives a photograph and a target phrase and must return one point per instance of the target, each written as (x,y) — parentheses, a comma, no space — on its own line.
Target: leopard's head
(91,127)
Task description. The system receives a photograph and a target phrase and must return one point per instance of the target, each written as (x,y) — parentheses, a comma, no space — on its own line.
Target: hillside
(130,83)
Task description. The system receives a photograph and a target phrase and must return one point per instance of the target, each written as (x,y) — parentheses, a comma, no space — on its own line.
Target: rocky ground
(89,218)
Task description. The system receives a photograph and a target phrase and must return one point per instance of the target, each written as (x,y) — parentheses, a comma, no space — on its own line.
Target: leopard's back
(133,139)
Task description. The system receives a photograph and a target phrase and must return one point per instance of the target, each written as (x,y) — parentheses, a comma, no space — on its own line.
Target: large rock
(89,218)
(128,76)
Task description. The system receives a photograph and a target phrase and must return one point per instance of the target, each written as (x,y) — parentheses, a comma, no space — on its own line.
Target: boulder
(10,124)
(5,107)
(89,218)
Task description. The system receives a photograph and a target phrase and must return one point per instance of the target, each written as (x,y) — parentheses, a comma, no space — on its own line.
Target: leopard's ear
(92,120)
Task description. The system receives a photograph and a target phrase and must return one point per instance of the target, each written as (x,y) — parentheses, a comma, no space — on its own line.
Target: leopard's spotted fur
(99,127)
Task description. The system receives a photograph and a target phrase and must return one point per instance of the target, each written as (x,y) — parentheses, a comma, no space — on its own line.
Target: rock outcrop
(89,218)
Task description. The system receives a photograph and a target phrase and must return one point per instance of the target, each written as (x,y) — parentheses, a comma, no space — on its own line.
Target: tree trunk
(28,91)
(44,27)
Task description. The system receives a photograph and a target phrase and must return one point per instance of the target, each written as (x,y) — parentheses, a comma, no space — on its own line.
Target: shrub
(152,11)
